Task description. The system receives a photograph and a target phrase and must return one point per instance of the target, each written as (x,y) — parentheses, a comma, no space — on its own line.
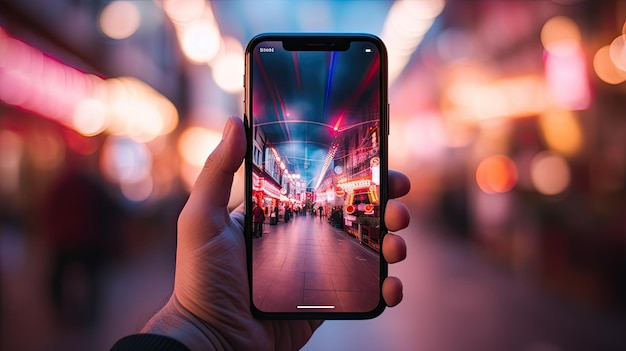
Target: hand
(209,308)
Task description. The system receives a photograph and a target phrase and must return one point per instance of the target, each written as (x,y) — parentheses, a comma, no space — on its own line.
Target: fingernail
(228,127)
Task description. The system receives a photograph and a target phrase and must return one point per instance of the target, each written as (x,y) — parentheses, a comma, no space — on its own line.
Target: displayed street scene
(316,180)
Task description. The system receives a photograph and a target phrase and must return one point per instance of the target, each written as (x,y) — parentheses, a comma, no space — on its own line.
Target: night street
(498,127)
(307,262)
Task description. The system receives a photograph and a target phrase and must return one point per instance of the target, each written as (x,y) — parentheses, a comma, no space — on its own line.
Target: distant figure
(79,217)
(258,217)
(321,209)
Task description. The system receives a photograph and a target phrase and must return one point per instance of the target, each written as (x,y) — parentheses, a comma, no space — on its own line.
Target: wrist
(174,321)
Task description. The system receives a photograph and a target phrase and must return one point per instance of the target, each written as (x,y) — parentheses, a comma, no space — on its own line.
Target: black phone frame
(317,42)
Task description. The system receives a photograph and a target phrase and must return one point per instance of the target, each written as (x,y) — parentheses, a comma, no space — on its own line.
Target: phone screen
(316,180)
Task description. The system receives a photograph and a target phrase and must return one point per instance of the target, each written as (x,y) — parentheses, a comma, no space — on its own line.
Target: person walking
(258,217)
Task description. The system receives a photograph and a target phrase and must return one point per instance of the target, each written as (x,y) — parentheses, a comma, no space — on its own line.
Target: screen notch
(316,44)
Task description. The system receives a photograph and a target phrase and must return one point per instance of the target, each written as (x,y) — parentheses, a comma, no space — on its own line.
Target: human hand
(209,308)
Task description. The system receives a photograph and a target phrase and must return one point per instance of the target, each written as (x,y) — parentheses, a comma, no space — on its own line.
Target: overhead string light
(330,156)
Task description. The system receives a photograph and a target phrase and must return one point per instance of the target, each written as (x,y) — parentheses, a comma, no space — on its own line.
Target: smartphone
(316,115)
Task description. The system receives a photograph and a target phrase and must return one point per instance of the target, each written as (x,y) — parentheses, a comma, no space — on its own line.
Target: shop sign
(271,190)
(375,167)
(330,195)
(339,191)
(257,182)
(371,193)
(320,197)
(349,186)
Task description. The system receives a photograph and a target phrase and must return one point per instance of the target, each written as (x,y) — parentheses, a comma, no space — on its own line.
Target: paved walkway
(306,264)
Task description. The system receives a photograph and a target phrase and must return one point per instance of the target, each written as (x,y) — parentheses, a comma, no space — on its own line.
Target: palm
(219,265)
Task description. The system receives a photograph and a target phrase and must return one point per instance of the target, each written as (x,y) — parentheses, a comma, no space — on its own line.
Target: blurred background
(508,116)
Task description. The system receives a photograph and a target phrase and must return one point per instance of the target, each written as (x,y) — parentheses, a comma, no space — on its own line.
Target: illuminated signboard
(349,186)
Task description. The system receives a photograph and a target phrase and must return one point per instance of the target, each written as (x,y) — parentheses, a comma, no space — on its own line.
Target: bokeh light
(550,173)
(184,11)
(228,67)
(559,35)
(405,26)
(605,68)
(561,131)
(200,40)
(120,19)
(566,78)
(90,117)
(617,51)
(565,66)
(39,83)
(124,160)
(138,191)
(194,146)
(473,97)
(196,143)
(83,102)
(136,110)
(496,174)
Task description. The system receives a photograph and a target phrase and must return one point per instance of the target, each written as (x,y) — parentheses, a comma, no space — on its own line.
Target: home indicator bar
(315,306)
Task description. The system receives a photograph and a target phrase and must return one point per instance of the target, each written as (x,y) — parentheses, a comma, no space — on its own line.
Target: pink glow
(39,83)
(566,78)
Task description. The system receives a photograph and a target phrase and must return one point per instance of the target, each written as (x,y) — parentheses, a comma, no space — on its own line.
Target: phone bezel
(316,42)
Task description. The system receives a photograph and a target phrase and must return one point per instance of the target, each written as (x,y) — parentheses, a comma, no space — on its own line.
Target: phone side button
(388,119)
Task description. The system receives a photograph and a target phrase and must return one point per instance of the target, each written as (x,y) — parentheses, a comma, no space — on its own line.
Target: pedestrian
(258,217)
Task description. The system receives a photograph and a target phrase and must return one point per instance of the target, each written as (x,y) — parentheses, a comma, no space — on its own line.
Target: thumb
(209,196)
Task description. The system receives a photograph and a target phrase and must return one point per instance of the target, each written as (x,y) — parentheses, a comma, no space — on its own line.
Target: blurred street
(507,117)
(454,299)
(132,290)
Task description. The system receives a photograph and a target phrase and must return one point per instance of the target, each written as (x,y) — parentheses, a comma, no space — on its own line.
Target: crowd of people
(334,214)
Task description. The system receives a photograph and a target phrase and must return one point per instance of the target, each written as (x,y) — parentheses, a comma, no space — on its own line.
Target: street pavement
(308,265)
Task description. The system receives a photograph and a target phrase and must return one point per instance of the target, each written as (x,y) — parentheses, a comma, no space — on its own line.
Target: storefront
(361,212)
(268,194)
